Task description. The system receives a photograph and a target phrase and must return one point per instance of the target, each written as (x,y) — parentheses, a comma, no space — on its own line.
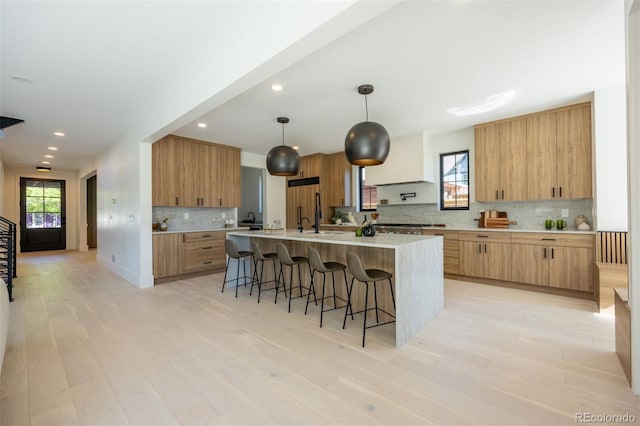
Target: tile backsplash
(188,218)
(528,214)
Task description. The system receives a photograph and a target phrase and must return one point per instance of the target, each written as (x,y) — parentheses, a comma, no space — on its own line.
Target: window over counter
(454,181)
(368,194)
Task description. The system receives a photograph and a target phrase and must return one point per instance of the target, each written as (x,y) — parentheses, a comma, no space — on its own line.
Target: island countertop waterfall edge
(417,273)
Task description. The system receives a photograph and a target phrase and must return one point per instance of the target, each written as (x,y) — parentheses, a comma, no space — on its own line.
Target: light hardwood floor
(85,347)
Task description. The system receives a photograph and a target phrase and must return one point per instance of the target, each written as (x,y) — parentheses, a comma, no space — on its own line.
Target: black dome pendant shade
(367,143)
(282,160)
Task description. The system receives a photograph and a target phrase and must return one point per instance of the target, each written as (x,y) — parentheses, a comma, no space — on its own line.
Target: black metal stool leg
(375,297)
(309,295)
(333,280)
(291,285)
(312,287)
(280,274)
(366,305)
(237,276)
(393,298)
(224,280)
(349,290)
(324,278)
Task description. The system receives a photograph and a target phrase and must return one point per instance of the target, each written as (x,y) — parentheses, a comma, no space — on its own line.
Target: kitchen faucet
(300,228)
(318,213)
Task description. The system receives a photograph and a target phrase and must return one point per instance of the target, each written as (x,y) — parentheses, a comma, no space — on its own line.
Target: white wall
(275,190)
(124,212)
(12,198)
(610,142)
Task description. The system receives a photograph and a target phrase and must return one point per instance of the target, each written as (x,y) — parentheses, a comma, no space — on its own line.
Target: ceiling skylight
(489,103)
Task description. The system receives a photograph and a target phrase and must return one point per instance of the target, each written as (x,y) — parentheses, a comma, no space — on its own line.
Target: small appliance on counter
(494,219)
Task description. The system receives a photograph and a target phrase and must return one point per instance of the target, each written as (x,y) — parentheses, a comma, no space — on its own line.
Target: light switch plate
(565,212)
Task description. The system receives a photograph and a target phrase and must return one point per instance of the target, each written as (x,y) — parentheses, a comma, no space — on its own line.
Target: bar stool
(258,256)
(317,265)
(232,251)
(286,259)
(366,276)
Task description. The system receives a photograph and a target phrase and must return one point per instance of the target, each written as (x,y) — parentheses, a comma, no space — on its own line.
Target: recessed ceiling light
(58,133)
(276,87)
(43,169)
(48,156)
(489,103)
(46,162)
(52,148)
(296,147)
(202,125)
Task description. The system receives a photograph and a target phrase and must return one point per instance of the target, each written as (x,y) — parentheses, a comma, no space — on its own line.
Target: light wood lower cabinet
(563,261)
(450,249)
(168,257)
(203,251)
(177,254)
(485,255)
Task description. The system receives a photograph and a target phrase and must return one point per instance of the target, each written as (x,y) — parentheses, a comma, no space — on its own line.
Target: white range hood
(411,159)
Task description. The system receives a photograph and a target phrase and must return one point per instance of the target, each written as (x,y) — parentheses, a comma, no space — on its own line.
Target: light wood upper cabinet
(166,164)
(192,173)
(501,161)
(574,153)
(541,156)
(338,189)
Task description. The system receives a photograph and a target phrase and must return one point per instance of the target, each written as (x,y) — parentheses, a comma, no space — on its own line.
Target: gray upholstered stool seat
(367,276)
(239,255)
(291,261)
(261,258)
(317,265)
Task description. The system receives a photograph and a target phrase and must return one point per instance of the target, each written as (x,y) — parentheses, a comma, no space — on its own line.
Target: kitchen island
(415,261)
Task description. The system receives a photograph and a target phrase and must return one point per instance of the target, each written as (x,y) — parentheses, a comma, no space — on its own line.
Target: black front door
(42,215)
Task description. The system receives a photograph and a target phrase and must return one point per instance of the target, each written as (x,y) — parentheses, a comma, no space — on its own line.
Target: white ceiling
(423,57)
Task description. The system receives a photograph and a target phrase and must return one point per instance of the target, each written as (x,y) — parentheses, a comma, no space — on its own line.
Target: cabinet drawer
(451,248)
(199,236)
(204,259)
(553,239)
(451,265)
(192,246)
(446,235)
(486,236)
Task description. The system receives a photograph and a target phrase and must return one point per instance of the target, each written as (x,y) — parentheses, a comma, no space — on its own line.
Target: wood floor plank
(85,347)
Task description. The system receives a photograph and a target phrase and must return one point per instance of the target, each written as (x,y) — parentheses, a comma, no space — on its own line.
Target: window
(454,181)
(44,204)
(368,194)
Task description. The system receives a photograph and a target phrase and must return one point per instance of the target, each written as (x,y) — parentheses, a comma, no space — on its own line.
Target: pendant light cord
(282,134)
(366,107)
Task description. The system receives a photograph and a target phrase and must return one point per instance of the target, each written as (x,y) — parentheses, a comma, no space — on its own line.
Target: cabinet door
(166,185)
(471,257)
(513,162)
(571,268)
(528,264)
(541,156)
(497,261)
(167,255)
(574,153)
(228,177)
(292,203)
(337,185)
(487,147)
(194,170)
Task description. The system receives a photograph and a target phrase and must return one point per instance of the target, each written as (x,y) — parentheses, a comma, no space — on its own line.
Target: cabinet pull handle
(442,235)
(545,252)
(482,236)
(206,236)
(503,194)
(480,248)
(176,201)
(206,263)
(206,248)
(560,191)
(497,198)
(183,238)
(553,192)
(552,254)
(548,239)
(485,248)
(220,201)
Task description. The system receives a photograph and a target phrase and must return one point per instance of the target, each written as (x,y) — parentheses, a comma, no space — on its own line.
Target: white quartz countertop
(338,237)
(476,229)
(199,230)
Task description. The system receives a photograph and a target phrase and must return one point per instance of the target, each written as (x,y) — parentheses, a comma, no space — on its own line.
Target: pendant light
(367,143)
(283,160)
